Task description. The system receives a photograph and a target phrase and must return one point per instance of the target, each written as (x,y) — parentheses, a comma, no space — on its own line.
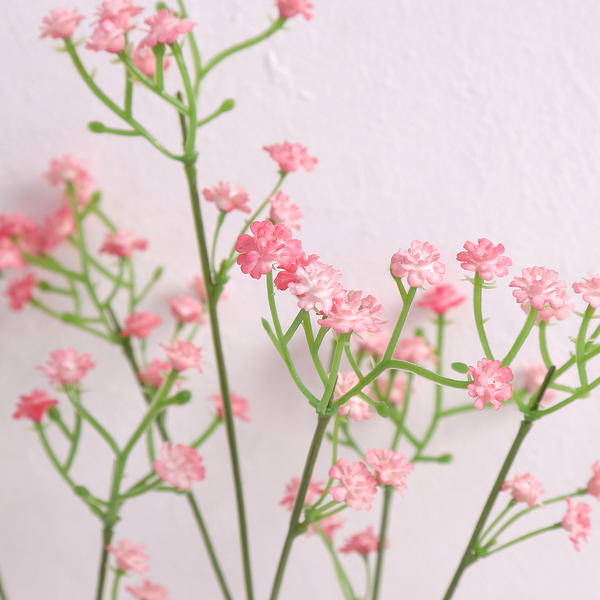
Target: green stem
(524,333)
(511,503)
(410,296)
(211,428)
(107,534)
(383,529)
(478,283)
(226,106)
(580,347)
(3,595)
(522,538)
(337,356)
(544,345)
(213,251)
(115,588)
(582,392)
(341,574)
(74,443)
(190,138)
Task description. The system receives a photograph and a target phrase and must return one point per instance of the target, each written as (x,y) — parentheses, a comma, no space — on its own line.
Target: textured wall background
(442,121)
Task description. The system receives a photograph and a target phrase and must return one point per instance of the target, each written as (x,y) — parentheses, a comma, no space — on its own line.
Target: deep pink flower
(415,350)
(67,366)
(577,522)
(165,28)
(357,486)
(148,591)
(316,283)
(374,344)
(397,394)
(140,324)
(490,383)
(34,406)
(60,23)
(363,543)
(355,407)
(291,8)
(315,488)
(239,406)
(122,243)
(441,298)
(228,198)
(108,36)
(10,255)
(288,275)
(154,374)
(419,263)
(353,313)
(285,212)
(129,557)
(539,287)
(560,314)
(179,465)
(19,290)
(186,309)
(118,11)
(593,486)
(329,525)
(525,488)
(485,258)
(271,244)
(183,355)
(391,467)
(197,286)
(290,157)
(590,288)
(15,225)
(145,60)
(69,170)
(534,374)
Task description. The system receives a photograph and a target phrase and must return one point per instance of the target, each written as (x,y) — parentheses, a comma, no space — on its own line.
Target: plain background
(443,121)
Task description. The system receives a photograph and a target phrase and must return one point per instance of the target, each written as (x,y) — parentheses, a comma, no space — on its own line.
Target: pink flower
(183,355)
(593,487)
(56,229)
(391,467)
(285,212)
(67,366)
(69,170)
(179,466)
(577,522)
(353,313)
(271,244)
(315,488)
(154,374)
(148,591)
(363,543)
(419,263)
(165,28)
(61,23)
(228,198)
(144,59)
(108,36)
(485,258)
(239,406)
(560,314)
(118,11)
(15,225)
(441,298)
(415,350)
(374,344)
(34,406)
(490,383)
(590,288)
(140,324)
(397,394)
(329,525)
(525,488)
(291,8)
(186,309)
(357,486)
(316,283)
(122,243)
(290,157)
(197,286)
(534,374)
(10,255)
(129,557)
(19,290)
(288,275)
(356,408)
(539,286)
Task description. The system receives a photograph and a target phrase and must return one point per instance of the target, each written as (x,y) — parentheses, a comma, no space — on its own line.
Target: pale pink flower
(67,366)
(441,298)
(56,229)
(228,198)
(69,170)
(353,313)
(288,275)
(285,212)
(415,350)
(183,355)
(419,263)
(61,23)
(179,465)
(155,373)
(363,542)
(316,283)
(140,324)
(108,36)
(525,488)
(19,290)
(118,11)
(315,489)
(165,28)
(374,344)
(357,485)
(490,383)
(329,525)
(560,314)
(145,60)
(199,288)
(271,244)
(577,522)
(186,309)
(539,287)
(10,255)
(593,486)
(291,8)
(391,467)
(290,157)
(397,394)
(148,591)
(129,557)
(590,288)
(485,258)
(15,225)
(34,406)
(239,406)
(122,243)
(534,374)
(356,408)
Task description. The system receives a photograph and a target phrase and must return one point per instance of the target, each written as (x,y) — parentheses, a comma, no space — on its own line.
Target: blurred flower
(67,366)
(590,288)
(140,324)
(441,298)
(179,465)
(165,28)
(363,543)
(285,212)
(34,406)
(525,488)
(315,488)
(577,522)
(122,243)
(129,557)
(61,23)
(228,198)
(239,406)
(290,157)
(183,355)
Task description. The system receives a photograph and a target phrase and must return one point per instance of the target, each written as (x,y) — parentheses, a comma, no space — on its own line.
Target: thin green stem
(511,503)
(343,580)
(479,322)
(544,345)
(383,529)
(314,353)
(582,392)
(209,431)
(115,588)
(523,334)
(213,251)
(107,534)
(580,346)
(410,296)
(523,538)
(190,138)
(45,263)
(226,106)
(74,443)
(337,356)
(3,595)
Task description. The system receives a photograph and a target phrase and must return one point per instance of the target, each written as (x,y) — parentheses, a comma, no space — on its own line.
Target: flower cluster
(66,367)
(355,407)
(183,355)
(239,406)
(419,264)
(34,406)
(129,557)
(179,465)
(357,486)
(484,258)
(490,383)
(525,488)
(315,489)
(140,324)
(362,543)
(60,23)
(441,298)
(577,522)
(390,467)
(284,211)
(590,288)
(540,287)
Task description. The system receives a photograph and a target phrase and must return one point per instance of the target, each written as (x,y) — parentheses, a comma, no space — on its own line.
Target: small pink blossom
(228,198)
(329,525)
(66,170)
(374,344)
(539,287)
(140,324)
(560,314)
(590,288)
(441,298)
(577,522)
(353,313)
(593,486)
(34,406)
(291,8)
(148,591)
(145,60)
(56,229)
(525,488)
(186,309)
(129,557)
(15,225)
(239,406)
(391,467)
(363,543)
(397,393)
(10,255)
(108,37)
(67,366)
(165,28)
(290,157)
(355,407)
(357,486)
(199,288)
(534,374)
(288,275)
(316,283)
(490,383)
(19,290)
(315,489)
(61,23)
(155,373)
(183,355)
(419,263)
(118,11)
(285,212)
(485,258)
(179,465)
(122,243)
(415,350)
